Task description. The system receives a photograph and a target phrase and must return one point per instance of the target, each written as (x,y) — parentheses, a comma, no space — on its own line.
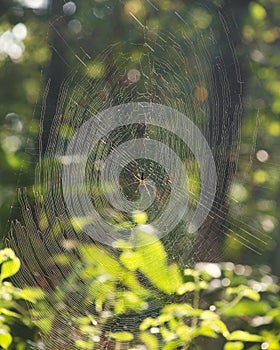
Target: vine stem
(196,300)
(195,306)
(235,301)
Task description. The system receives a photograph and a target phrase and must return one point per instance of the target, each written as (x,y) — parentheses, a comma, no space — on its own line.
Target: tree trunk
(224,129)
(56,71)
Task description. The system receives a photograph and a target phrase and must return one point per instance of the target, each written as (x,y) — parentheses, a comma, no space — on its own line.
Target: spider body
(141,180)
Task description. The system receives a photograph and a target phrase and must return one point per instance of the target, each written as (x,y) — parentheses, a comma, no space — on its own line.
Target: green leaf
(206,330)
(154,261)
(234,346)
(101,260)
(9,268)
(5,339)
(131,260)
(251,294)
(81,344)
(31,294)
(208,315)
(121,336)
(10,313)
(183,332)
(45,324)
(175,275)
(172,345)
(149,340)
(191,272)
(211,325)
(147,323)
(245,291)
(139,217)
(244,336)
(220,327)
(6,254)
(128,300)
(257,11)
(180,310)
(122,245)
(186,287)
(130,280)
(248,308)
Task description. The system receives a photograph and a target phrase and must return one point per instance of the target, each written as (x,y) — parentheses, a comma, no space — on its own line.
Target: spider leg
(150,175)
(146,187)
(137,189)
(133,183)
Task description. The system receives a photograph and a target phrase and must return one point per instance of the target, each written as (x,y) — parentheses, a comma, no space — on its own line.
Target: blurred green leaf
(257,11)
(139,217)
(244,336)
(131,260)
(31,294)
(186,287)
(154,255)
(9,268)
(6,254)
(122,336)
(248,308)
(10,313)
(149,340)
(5,339)
(171,345)
(234,346)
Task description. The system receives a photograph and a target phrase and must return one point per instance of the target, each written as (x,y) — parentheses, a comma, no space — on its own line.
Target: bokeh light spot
(20,31)
(133,6)
(201,94)
(274,129)
(75,26)
(96,70)
(260,176)
(69,8)
(134,75)
(262,155)
(238,192)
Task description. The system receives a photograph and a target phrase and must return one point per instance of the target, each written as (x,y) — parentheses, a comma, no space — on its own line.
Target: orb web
(136,128)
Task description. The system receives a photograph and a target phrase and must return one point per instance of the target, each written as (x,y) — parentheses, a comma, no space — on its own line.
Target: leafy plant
(234,305)
(12,310)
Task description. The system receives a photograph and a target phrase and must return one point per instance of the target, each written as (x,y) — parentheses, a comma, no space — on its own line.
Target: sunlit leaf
(186,287)
(172,345)
(6,254)
(247,307)
(154,261)
(131,260)
(175,275)
(9,268)
(139,217)
(149,340)
(257,11)
(122,336)
(234,346)
(5,339)
(31,294)
(6,312)
(244,336)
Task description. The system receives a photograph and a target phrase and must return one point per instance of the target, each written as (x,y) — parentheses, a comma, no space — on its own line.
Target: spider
(141,180)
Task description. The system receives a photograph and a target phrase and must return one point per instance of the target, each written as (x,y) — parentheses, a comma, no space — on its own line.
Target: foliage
(13,312)
(228,297)
(255,188)
(258,196)
(234,305)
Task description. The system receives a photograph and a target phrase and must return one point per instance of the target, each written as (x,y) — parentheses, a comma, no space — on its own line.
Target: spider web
(186,68)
